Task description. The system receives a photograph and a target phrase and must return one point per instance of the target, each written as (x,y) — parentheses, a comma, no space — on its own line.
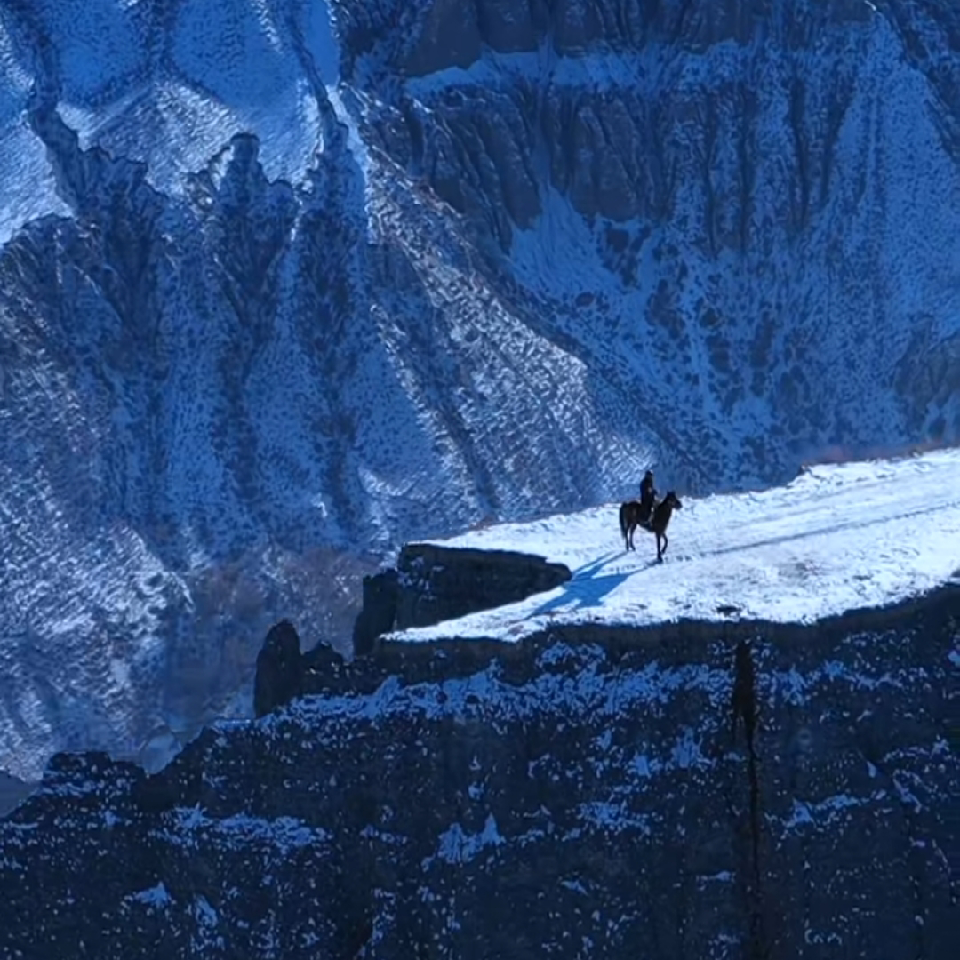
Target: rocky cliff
(284,278)
(431,583)
(728,790)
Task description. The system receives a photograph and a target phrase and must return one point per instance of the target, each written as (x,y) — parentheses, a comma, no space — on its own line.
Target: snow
(598,71)
(285,834)
(321,43)
(457,846)
(582,689)
(839,537)
(224,68)
(614,817)
(808,814)
(156,896)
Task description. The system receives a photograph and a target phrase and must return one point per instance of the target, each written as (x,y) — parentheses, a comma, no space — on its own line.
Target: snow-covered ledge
(851,537)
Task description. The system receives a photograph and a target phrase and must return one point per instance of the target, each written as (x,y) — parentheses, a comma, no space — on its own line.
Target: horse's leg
(666,542)
(659,551)
(632,526)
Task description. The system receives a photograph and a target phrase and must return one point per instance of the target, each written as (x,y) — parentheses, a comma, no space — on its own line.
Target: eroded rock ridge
(732,790)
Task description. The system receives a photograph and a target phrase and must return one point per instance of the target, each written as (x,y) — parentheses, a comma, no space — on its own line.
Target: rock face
(440,583)
(632,186)
(277,680)
(282,277)
(429,584)
(432,583)
(379,612)
(732,790)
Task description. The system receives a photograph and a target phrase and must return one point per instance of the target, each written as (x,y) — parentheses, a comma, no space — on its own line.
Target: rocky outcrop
(277,680)
(437,583)
(431,583)
(284,673)
(731,790)
(379,611)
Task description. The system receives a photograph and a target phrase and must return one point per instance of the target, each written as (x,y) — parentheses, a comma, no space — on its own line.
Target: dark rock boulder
(279,669)
(432,583)
(442,583)
(379,611)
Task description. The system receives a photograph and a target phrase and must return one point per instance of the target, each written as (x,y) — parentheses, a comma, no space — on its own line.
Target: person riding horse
(657,524)
(648,498)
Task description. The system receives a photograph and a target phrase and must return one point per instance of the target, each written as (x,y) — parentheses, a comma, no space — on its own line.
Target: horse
(631,518)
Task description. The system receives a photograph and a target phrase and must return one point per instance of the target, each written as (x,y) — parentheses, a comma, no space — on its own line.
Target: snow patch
(156,896)
(457,846)
(285,834)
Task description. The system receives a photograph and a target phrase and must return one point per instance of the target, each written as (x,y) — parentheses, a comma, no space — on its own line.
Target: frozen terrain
(285,284)
(836,539)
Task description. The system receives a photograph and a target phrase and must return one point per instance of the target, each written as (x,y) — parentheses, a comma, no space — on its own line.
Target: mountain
(285,285)
(631,774)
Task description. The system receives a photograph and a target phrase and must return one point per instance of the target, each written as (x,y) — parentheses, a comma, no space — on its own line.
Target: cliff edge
(694,790)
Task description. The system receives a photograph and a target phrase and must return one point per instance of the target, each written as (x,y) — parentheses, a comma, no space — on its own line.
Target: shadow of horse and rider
(589,586)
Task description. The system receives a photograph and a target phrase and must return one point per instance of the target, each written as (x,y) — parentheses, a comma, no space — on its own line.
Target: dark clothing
(648,497)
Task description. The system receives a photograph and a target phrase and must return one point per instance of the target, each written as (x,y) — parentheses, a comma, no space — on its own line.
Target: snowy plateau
(287,284)
(858,536)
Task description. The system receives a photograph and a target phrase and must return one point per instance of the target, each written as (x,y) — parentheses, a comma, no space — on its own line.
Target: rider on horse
(648,497)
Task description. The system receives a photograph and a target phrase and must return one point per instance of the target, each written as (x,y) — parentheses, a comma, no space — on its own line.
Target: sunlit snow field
(837,538)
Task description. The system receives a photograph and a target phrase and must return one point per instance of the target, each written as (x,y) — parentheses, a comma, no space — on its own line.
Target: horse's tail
(623,522)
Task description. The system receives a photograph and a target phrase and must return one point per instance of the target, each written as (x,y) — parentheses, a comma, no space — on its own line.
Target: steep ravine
(686,791)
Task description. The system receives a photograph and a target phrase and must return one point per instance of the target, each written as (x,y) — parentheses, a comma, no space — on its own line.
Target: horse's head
(673,500)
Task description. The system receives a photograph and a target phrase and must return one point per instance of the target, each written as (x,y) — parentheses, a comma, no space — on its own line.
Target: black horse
(631,517)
